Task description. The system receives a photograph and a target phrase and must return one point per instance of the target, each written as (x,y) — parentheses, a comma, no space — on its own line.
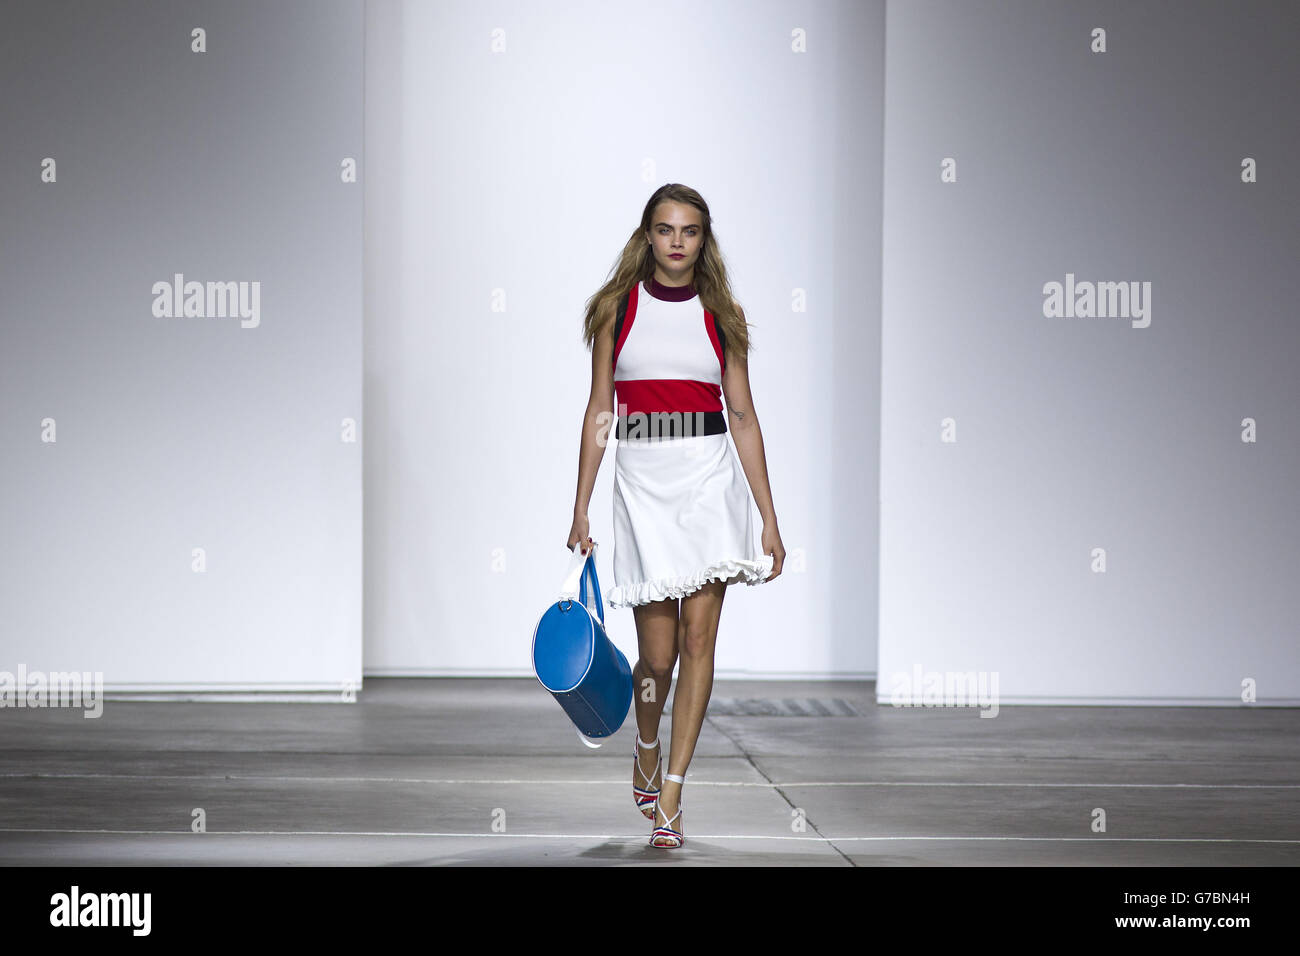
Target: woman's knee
(652,683)
(658,665)
(698,640)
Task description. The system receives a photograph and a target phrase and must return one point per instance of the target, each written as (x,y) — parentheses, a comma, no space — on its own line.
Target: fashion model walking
(666,334)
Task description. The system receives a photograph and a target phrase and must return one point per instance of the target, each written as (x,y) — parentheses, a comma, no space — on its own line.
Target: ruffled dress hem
(679,586)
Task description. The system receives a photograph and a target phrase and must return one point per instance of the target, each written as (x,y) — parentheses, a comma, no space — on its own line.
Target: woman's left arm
(748,436)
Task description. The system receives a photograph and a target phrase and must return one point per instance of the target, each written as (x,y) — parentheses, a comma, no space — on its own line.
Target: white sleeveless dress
(683,515)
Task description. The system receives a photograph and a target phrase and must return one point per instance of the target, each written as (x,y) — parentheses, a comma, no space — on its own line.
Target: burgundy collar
(670,293)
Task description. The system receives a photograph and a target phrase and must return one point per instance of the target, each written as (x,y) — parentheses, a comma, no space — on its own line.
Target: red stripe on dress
(627,324)
(667,395)
(710,326)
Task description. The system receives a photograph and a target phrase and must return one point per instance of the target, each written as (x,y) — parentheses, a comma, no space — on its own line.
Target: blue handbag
(576,661)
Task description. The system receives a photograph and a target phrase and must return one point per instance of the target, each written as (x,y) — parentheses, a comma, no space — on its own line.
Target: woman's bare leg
(700,614)
(656,638)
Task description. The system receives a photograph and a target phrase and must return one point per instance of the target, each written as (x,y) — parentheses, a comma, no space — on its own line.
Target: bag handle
(582,567)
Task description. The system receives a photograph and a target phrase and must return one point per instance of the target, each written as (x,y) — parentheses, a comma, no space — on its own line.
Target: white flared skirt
(682,517)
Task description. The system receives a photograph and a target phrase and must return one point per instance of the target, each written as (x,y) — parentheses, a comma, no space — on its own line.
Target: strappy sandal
(646,798)
(665,836)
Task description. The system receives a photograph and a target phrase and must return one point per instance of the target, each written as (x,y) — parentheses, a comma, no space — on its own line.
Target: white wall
(1100,529)
(180,499)
(508,152)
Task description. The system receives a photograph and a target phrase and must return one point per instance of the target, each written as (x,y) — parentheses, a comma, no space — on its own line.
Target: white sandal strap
(650,779)
(668,820)
(679,779)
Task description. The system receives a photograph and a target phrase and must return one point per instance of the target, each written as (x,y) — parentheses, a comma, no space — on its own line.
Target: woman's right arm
(597,425)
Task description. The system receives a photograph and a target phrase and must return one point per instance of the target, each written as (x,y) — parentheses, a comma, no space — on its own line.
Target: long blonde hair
(636,263)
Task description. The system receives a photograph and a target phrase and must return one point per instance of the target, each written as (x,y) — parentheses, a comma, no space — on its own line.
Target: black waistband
(646,426)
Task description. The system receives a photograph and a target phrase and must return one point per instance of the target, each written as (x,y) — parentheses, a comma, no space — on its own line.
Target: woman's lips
(676,255)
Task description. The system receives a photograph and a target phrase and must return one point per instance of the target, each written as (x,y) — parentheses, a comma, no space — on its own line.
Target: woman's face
(675,230)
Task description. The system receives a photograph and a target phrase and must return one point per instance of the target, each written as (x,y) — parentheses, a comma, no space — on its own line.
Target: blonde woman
(667,335)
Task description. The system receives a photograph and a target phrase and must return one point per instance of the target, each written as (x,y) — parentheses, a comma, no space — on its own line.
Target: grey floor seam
(758,770)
